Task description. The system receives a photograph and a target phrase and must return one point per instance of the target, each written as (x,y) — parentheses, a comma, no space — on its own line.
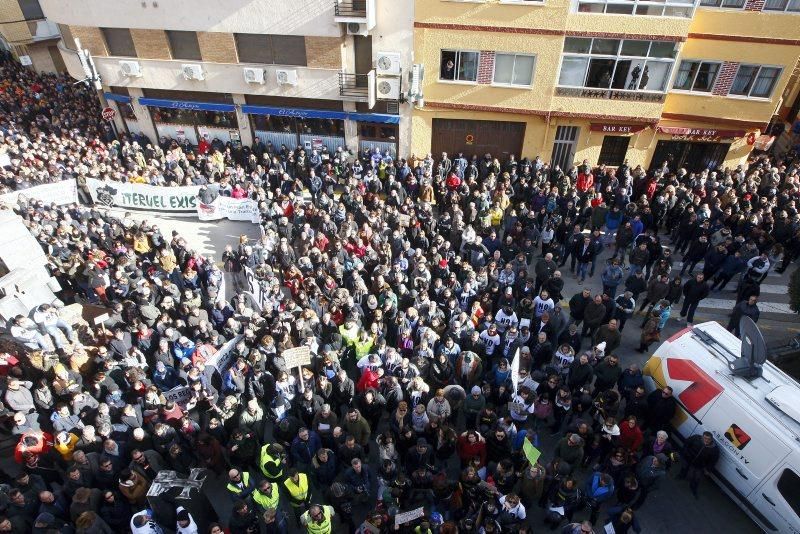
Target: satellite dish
(754,348)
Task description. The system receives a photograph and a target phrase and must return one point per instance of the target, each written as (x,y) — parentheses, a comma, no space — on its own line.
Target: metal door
(564,146)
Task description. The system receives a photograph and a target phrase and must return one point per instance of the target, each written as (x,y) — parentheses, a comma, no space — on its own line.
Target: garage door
(498,138)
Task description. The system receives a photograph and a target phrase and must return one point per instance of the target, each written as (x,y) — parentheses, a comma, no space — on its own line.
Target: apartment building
(29,36)
(693,83)
(307,72)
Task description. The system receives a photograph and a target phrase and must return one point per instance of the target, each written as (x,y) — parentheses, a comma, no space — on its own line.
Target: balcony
(355,12)
(611,94)
(354,86)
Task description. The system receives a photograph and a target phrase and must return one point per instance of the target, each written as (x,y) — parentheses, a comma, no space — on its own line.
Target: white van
(756,421)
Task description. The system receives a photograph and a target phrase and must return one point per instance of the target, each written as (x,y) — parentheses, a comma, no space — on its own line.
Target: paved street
(670,509)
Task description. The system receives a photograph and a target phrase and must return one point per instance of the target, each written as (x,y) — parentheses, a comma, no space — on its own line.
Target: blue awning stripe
(321,114)
(185,104)
(118,98)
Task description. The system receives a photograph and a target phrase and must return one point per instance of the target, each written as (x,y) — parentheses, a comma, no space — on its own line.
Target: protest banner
(59,193)
(179,395)
(222,359)
(407,517)
(234,209)
(143,196)
(297,357)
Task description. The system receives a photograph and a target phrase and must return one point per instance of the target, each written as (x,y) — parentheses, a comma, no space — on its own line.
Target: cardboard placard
(297,357)
(407,517)
(531,452)
(100,319)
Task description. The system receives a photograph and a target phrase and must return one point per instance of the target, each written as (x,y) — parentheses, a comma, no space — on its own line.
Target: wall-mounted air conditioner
(286,76)
(131,68)
(192,71)
(252,75)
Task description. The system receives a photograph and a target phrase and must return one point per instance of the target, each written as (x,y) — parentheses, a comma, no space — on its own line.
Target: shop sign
(185,105)
(616,128)
(700,134)
(469,139)
(143,196)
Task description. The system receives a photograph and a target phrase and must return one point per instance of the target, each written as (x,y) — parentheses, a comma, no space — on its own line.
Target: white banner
(144,196)
(222,358)
(179,395)
(60,193)
(254,287)
(234,209)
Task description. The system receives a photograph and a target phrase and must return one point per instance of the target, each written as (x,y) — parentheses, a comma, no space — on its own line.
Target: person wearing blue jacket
(612,277)
(304,447)
(598,489)
(733,265)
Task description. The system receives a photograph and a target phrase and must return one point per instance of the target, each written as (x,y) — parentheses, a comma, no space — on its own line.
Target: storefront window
(331,127)
(126,111)
(216,119)
(378,132)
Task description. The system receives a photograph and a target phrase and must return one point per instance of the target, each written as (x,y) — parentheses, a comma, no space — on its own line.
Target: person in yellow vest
(299,492)
(271,461)
(65,445)
(266,495)
(240,485)
(317,520)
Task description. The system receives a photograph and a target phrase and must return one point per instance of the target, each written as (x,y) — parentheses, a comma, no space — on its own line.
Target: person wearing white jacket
(185,522)
(49,322)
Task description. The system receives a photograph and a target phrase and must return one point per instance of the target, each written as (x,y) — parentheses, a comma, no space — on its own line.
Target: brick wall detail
(486,67)
(91,38)
(754,5)
(217,47)
(725,78)
(151,44)
(324,52)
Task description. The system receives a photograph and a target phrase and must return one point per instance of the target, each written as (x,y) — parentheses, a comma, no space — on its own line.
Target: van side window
(789,487)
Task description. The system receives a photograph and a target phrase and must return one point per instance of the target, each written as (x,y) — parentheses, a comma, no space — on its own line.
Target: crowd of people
(429,292)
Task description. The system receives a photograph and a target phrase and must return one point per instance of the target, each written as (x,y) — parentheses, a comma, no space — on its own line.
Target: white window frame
(458,61)
(729,8)
(617,58)
(784,10)
(694,78)
(758,71)
(513,85)
(634,4)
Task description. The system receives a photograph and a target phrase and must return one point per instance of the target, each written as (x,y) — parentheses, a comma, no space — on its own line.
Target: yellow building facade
(604,80)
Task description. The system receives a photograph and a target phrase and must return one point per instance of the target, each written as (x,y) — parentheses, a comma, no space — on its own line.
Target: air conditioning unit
(131,68)
(354,28)
(388,64)
(192,71)
(286,76)
(252,75)
(388,88)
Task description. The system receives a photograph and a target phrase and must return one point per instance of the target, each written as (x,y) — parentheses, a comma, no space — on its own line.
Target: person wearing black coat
(695,290)
(697,251)
(661,407)
(577,305)
(700,453)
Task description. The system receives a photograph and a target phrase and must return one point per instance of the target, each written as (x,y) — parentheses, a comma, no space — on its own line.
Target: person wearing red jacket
(630,435)
(471,445)
(585,182)
(35,442)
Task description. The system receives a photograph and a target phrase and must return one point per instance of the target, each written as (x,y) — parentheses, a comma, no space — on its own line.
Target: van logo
(702,389)
(737,436)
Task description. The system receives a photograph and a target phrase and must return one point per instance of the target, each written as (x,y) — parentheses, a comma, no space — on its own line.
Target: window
(31,9)
(119,42)
(653,8)
(793,6)
(789,488)
(459,66)
(271,49)
(616,64)
(696,76)
(513,69)
(755,81)
(733,4)
(184,45)
(613,150)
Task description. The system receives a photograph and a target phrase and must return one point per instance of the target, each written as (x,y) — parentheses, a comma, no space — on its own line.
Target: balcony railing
(350,8)
(611,94)
(353,86)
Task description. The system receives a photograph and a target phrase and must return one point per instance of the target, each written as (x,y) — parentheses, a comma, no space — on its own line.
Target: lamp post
(93,78)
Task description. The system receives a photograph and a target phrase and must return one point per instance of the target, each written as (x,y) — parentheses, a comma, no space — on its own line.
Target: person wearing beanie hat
(473,405)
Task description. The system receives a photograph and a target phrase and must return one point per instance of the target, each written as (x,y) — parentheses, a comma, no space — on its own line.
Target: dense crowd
(429,292)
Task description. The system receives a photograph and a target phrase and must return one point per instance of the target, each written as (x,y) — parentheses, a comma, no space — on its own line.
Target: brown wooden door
(498,138)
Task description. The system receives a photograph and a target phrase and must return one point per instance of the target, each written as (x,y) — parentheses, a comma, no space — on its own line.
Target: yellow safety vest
(266,458)
(267,501)
(233,488)
(312,527)
(297,492)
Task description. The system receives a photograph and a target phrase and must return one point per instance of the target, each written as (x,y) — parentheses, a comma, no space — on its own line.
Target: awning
(183,104)
(321,114)
(702,133)
(118,98)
